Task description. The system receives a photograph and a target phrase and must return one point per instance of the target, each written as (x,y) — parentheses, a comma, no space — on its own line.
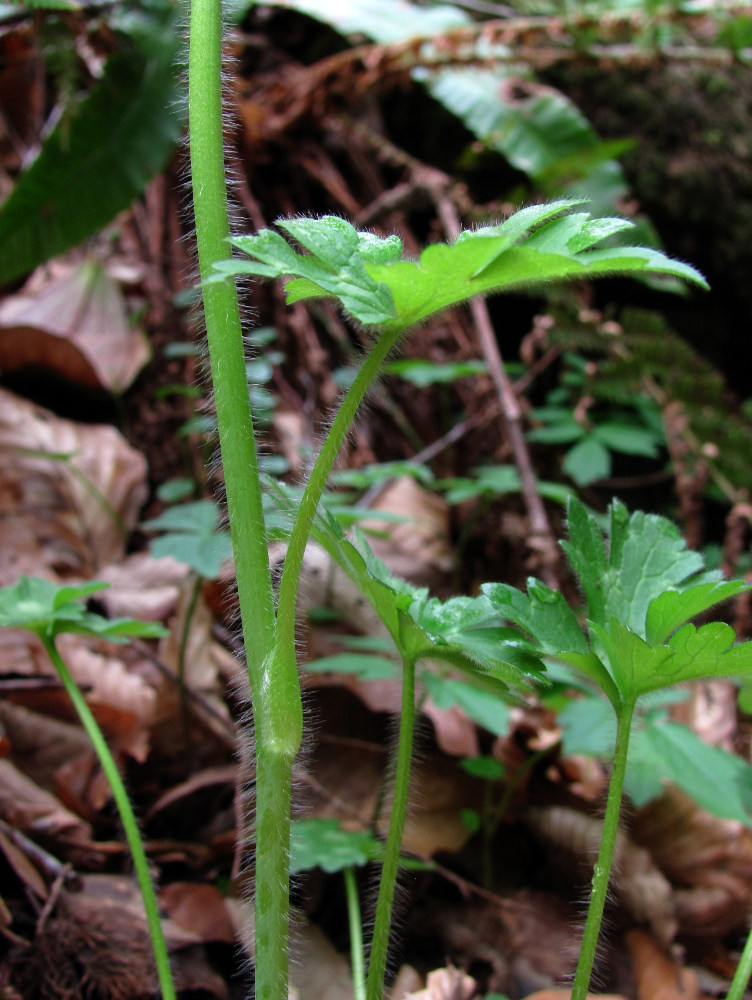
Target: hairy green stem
(276,700)
(602,870)
(385,902)
(127,817)
(356,933)
(224,335)
(288,586)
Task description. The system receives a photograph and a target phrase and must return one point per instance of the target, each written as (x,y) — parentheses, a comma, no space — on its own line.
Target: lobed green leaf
(367,275)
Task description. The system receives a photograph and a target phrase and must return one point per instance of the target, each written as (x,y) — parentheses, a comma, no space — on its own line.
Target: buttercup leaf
(371,281)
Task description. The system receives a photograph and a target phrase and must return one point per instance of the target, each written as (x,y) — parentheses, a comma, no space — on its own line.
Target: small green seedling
(593,437)
(640,589)
(192,535)
(322,843)
(49,610)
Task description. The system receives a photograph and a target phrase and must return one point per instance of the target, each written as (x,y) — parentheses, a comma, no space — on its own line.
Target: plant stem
(356,933)
(182,650)
(277,709)
(602,870)
(127,817)
(385,902)
(742,974)
(224,335)
(288,585)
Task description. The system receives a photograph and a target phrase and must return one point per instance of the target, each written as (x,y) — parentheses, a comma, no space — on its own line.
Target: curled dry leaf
(142,587)
(41,743)
(26,806)
(73,319)
(658,976)
(708,860)
(122,700)
(641,886)
(204,665)
(446,984)
(70,492)
(200,909)
(440,794)
(417,549)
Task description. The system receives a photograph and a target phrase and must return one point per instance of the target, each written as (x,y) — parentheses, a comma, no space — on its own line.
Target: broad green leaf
(587,461)
(588,727)
(483,767)
(542,612)
(363,665)
(563,430)
(386,21)
(539,136)
(690,654)
(334,266)
(593,667)
(629,439)
(496,481)
(707,652)
(652,558)
(99,160)
(575,233)
(425,629)
(483,707)
(674,607)
(719,781)
(635,666)
(371,475)
(623,260)
(423,373)
(365,273)
(322,843)
(192,536)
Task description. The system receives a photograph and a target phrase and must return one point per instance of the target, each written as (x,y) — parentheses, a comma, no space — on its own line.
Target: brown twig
(541,538)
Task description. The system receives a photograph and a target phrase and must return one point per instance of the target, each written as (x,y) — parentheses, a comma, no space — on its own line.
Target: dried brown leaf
(23,804)
(70,493)
(658,976)
(446,984)
(73,319)
(200,909)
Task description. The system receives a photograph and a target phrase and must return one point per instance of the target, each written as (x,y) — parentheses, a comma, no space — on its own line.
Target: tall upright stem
(276,700)
(602,870)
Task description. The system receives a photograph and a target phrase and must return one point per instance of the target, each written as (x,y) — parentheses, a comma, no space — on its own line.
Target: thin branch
(541,538)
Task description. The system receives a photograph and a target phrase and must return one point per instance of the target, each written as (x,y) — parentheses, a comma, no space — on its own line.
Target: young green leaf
(322,843)
(640,589)
(366,666)
(334,267)
(369,278)
(482,706)
(674,607)
(192,536)
(48,609)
